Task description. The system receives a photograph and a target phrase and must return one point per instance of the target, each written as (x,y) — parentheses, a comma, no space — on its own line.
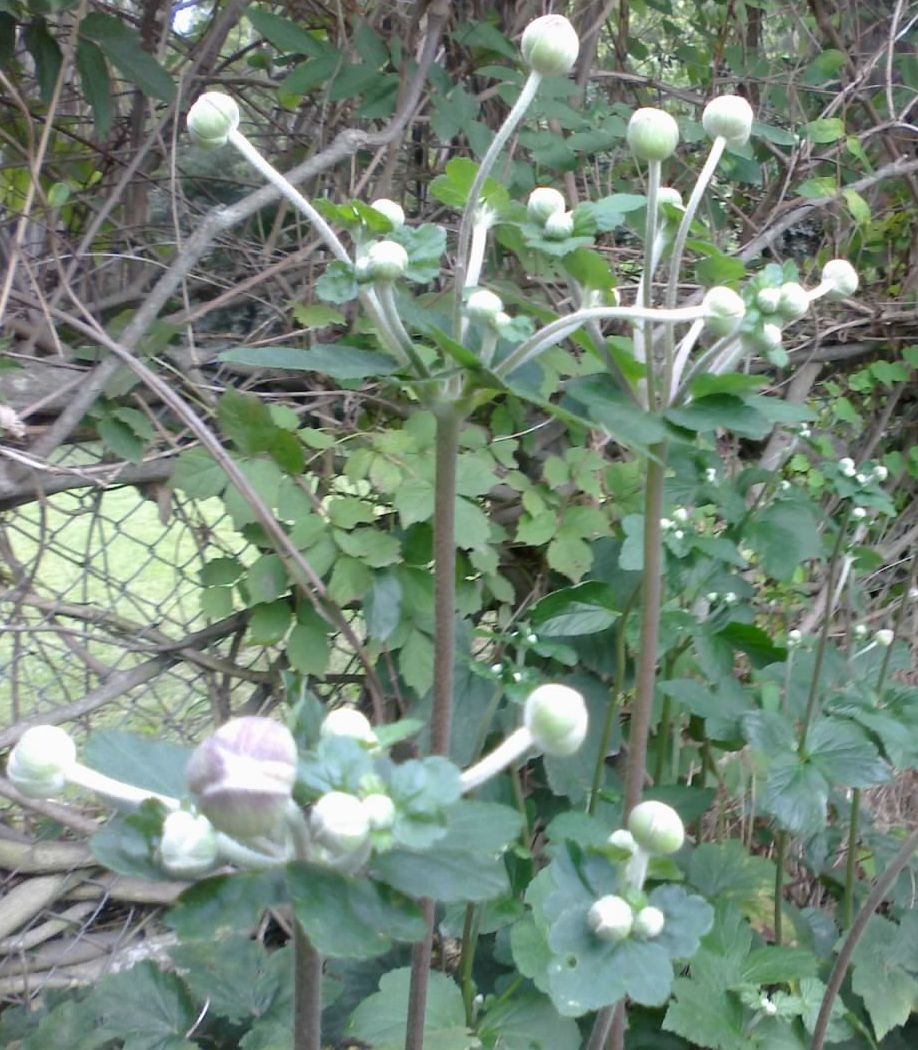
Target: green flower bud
(656,827)
(543,202)
(556,717)
(842,278)
(884,637)
(346,721)
(768,300)
(242,777)
(559,226)
(729,117)
(380,811)
(724,311)
(794,301)
(623,839)
(768,338)
(392,210)
(212,118)
(649,923)
(652,134)
(386,261)
(483,306)
(188,846)
(340,827)
(39,763)
(550,45)
(610,918)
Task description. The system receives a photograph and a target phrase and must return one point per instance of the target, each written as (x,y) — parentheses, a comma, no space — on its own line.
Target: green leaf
(126,845)
(375,548)
(796,795)
(688,919)
(221,572)
(269,623)
(844,755)
(382,609)
(146,1008)
(307,644)
(122,47)
(267,579)
(528,1022)
(719,269)
(416,662)
(226,902)
(726,871)
(97,86)
(721,708)
(721,412)
(155,765)
(285,35)
(778,965)
(380,1020)
(197,473)
(784,535)
(824,130)
(120,439)
(425,245)
(885,961)
(46,53)
(334,359)
(444,874)
(453,186)
(585,609)
(317,316)
(338,283)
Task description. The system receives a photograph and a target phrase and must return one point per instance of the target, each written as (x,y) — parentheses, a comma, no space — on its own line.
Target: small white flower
(652,134)
(610,918)
(649,923)
(556,717)
(884,637)
(784,484)
(767,1006)
(517,676)
(712,596)
(532,638)
(497,668)
(861,479)
(804,431)
(767,300)
(550,45)
(681,514)
(794,638)
(846,466)
(746,553)
(859,513)
(729,117)
(678,534)
(348,722)
(392,210)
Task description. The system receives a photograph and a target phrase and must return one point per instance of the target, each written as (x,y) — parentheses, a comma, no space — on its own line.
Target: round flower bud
(556,716)
(380,811)
(669,195)
(656,827)
(559,226)
(860,630)
(794,638)
(794,302)
(212,118)
(724,311)
(649,923)
(842,278)
(652,134)
(728,117)
(242,777)
(610,918)
(392,210)
(188,847)
(550,45)
(340,826)
(386,261)
(623,839)
(346,721)
(859,513)
(543,202)
(767,338)
(768,300)
(880,472)
(39,763)
(847,467)
(484,306)
(884,637)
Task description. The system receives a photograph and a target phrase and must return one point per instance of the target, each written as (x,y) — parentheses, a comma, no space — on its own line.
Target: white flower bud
(212,118)
(678,534)
(841,277)
(847,467)
(346,721)
(681,515)
(610,918)
(501,320)
(804,431)
(550,45)
(242,777)
(623,839)
(729,117)
(710,474)
(768,299)
(724,311)
(768,337)
(669,195)
(794,302)
(484,306)
(38,765)
(652,134)
(556,717)
(380,811)
(386,261)
(767,1006)
(730,598)
(559,226)
(667,524)
(861,479)
(712,596)
(656,827)
(392,210)
(649,923)
(880,472)
(340,827)
(543,202)
(884,637)
(913,594)
(794,638)
(860,630)
(784,485)
(188,847)
(859,513)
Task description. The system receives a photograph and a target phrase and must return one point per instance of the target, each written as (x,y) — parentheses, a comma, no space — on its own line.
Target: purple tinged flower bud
(543,202)
(340,827)
(556,717)
(392,210)
(386,261)
(794,302)
(346,721)
(729,117)
(610,918)
(550,45)
(212,118)
(841,277)
(656,827)
(559,226)
(652,134)
(38,765)
(188,847)
(649,923)
(242,777)
(724,311)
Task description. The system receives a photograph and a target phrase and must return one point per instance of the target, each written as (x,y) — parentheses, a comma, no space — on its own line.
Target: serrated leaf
(796,795)
(784,535)
(382,609)
(726,871)
(146,1008)
(197,473)
(844,754)
(226,902)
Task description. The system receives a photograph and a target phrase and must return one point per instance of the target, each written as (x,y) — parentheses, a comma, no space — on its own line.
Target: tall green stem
(780,861)
(449,424)
(307,1013)
(646,288)
(650,629)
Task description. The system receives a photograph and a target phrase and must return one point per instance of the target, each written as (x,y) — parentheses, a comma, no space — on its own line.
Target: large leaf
(784,535)
(146,1008)
(333,359)
(585,609)
(796,795)
(842,752)
(122,47)
(154,765)
(528,1022)
(227,901)
(448,875)
(96,84)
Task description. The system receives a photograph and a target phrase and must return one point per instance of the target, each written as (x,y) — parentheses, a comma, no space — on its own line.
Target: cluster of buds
(546,208)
